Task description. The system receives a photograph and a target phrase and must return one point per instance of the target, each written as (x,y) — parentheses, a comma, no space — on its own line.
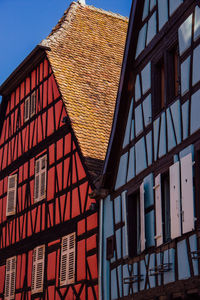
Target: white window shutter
(175,213)
(43,171)
(10,278)
(40,178)
(11,195)
(67,266)
(124,203)
(33,104)
(187,193)
(37,180)
(142,218)
(158,208)
(38,269)
(26,109)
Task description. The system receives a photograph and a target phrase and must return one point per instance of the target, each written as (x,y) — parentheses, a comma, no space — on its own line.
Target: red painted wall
(67,200)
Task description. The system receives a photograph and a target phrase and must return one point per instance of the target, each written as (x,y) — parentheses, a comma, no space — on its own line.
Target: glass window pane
(140,154)
(196,65)
(195,108)
(162,12)
(185,34)
(185,76)
(173,5)
(151,32)
(146,78)
(152,4)
(138,120)
(146,9)
(137,89)
(147,110)
(197,23)
(141,40)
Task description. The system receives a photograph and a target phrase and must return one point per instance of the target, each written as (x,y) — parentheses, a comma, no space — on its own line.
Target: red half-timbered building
(56,116)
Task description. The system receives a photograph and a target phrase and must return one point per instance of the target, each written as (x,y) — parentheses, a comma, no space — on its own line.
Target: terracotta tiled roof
(87,47)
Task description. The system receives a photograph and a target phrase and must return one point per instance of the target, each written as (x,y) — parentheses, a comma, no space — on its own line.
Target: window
(11,195)
(166,80)
(67,265)
(30,106)
(10,278)
(40,178)
(110,247)
(165,196)
(38,269)
(136,222)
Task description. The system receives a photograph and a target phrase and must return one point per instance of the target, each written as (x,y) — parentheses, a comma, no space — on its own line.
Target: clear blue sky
(24,23)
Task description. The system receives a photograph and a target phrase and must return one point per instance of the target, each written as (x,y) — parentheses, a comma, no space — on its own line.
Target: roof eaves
(25,66)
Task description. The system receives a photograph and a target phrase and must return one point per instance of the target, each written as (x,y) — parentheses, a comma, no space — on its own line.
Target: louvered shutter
(40,178)
(38,269)
(43,177)
(187,193)
(67,268)
(142,218)
(158,207)
(175,218)
(26,109)
(11,195)
(10,278)
(37,180)
(33,104)
(125,221)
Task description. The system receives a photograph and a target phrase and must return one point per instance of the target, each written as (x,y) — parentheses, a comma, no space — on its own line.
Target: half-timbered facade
(52,146)
(149,229)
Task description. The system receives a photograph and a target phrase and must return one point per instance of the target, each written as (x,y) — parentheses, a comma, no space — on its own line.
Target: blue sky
(24,23)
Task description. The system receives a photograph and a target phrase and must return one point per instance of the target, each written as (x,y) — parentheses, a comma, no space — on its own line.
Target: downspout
(101,250)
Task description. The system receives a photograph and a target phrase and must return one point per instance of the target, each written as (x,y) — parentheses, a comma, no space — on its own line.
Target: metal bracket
(160,269)
(195,254)
(133,279)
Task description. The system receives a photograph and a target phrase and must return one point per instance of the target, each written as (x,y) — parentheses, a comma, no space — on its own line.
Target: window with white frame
(38,269)
(174,201)
(10,278)
(30,106)
(11,195)
(40,178)
(67,264)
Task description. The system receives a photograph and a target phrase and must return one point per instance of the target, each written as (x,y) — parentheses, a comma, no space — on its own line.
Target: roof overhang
(23,69)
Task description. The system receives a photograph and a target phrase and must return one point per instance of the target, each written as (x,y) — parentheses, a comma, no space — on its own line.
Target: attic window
(30,106)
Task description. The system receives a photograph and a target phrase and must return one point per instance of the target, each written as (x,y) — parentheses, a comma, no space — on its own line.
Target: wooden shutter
(33,104)
(37,180)
(26,109)
(11,195)
(175,217)
(158,208)
(10,278)
(67,266)
(38,269)
(40,178)
(43,171)
(142,219)
(187,193)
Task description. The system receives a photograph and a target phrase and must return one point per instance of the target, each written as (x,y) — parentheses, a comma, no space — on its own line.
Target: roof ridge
(64,22)
(108,12)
